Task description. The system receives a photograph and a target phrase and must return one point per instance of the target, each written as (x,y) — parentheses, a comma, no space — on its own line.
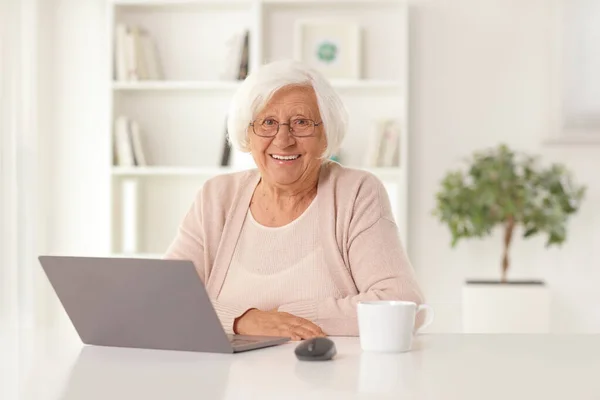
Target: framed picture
(332,47)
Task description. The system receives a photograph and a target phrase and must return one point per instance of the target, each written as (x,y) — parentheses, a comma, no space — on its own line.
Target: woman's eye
(300,122)
(269,122)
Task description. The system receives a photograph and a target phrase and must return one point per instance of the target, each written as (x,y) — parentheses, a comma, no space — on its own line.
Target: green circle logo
(327,52)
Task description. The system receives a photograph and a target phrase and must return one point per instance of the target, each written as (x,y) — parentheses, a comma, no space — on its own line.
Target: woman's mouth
(285,158)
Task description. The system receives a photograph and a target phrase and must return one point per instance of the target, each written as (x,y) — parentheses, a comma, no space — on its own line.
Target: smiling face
(284,160)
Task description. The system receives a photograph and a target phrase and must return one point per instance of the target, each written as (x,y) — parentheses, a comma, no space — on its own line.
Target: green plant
(501,187)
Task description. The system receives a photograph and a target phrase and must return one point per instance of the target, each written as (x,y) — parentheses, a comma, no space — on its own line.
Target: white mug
(389,326)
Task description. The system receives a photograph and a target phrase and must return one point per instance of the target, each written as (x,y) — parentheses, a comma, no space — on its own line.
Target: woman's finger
(312,327)
(303,332)
(297,321)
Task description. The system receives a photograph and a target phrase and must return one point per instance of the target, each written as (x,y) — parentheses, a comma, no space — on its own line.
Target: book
(136,54)
(131,58)
(373,150)
(123,145)
(149,56)
(136,141)
(389,154)
(383,144)
(120,57)
(128,149)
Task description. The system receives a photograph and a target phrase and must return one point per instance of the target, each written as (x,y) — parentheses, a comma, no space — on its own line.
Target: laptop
(142,303)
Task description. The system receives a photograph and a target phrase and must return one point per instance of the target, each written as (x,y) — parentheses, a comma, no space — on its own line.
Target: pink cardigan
(360,240)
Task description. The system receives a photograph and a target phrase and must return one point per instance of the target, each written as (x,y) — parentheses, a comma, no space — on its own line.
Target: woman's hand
(275,323)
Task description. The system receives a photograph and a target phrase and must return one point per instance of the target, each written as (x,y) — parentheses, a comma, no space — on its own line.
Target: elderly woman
(290,248)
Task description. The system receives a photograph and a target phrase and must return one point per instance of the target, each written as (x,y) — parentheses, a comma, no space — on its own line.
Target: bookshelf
(182,114)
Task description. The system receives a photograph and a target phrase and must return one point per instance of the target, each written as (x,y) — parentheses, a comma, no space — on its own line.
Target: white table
(439,367)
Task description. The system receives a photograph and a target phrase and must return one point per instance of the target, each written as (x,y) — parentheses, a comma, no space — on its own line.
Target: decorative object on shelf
(136,56)
(507,189)
(128,148)
(383,148)
(331,46)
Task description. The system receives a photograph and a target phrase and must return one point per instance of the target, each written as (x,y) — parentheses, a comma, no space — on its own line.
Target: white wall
(73,104)
(78,151)
(480,75)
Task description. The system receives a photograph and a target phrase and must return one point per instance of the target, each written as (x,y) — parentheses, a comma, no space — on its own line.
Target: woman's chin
(285,176)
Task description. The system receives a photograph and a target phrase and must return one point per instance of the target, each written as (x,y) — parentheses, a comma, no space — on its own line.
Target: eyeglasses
(299,127)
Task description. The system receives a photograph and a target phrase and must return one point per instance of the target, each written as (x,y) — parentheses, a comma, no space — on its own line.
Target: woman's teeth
(285,158)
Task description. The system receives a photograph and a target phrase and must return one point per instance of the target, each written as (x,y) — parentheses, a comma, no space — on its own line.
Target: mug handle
(429,319)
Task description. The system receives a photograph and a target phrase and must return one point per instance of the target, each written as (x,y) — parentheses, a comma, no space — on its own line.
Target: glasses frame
(290,129)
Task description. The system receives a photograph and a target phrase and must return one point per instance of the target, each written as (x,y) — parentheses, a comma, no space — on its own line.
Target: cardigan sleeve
(189,245)
(378,264)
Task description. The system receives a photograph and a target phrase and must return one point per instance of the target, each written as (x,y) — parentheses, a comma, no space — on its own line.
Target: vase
(505,307)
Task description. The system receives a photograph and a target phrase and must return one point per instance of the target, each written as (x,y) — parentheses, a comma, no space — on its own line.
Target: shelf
(176,85)
(171,171)
(233,85)
(171,3)
(181,3)
(331,2)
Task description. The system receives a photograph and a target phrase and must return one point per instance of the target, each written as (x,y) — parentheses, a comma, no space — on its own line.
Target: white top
(271,267)
(439,367)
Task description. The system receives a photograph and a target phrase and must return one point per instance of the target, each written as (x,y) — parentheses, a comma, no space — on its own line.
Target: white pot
(513,307)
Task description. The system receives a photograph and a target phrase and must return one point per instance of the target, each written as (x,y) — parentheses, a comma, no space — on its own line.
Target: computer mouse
(316,349)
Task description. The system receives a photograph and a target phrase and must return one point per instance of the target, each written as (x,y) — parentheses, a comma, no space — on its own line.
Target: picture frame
(332,46)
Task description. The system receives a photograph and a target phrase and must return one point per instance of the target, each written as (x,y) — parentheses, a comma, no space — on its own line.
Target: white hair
(259,87)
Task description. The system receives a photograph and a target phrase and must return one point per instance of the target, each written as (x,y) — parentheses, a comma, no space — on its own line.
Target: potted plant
(502,188)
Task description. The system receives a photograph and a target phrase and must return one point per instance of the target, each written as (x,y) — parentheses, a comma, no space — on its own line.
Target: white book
(131,56)
(123,145)
(150,59)
(141,70)
(120,44)
(390,144)
(136,141)
(372,155)
(129,216)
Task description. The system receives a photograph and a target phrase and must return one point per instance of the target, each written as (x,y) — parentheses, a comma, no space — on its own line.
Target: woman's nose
(284,137)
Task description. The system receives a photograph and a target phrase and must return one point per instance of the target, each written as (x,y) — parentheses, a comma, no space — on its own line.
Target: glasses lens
(266,127)
(302,126)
